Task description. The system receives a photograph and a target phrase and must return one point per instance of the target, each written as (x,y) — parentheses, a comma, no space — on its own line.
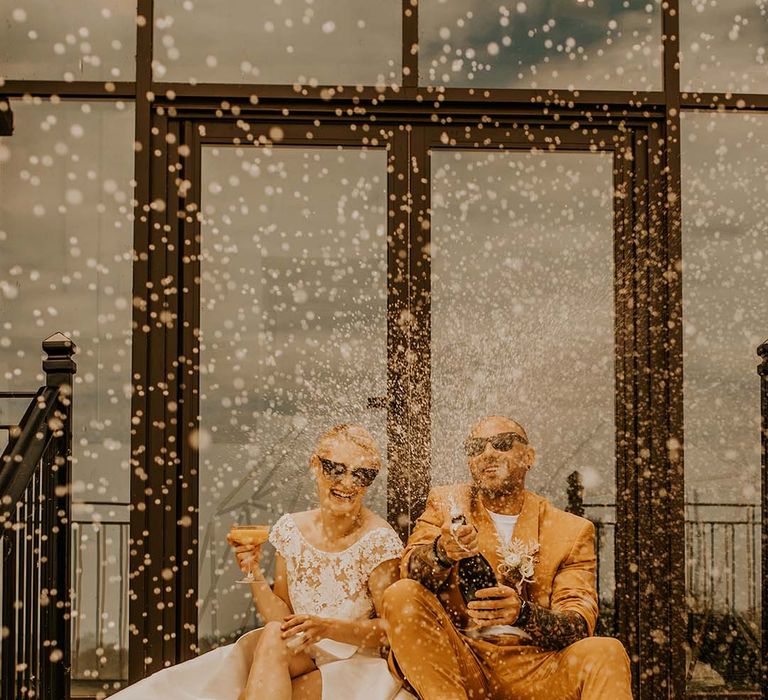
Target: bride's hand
(311,628)
(248,558)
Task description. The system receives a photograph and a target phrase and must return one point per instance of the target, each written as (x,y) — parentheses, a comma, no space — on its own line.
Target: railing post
(762,370)
(59,367)
(575,494)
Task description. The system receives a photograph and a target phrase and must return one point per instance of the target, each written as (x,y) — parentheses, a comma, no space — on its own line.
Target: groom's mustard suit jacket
(564,573)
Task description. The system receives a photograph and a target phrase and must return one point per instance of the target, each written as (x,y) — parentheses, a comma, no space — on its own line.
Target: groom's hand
(499,605)
(309,628)
(458,544)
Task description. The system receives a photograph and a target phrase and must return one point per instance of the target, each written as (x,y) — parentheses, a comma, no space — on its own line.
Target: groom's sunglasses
(335,471)
(503,442)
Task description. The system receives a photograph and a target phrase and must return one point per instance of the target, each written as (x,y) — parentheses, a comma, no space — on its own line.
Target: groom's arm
(425,568)
(419,562)
(552,629)
(573,612)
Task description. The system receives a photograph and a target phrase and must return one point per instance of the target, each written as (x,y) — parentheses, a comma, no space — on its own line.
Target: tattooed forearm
(554,630)
(424,568)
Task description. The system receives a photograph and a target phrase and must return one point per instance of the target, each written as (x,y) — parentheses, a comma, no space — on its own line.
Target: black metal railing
(35,477)
(762,370)
(723,583)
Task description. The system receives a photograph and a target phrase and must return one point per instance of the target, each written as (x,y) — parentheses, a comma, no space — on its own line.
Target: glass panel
(326,42)
(522,318)
(100,541)
(293,340)
(725,305)
(613,44)
(724,45)
(66,237)
(90,40)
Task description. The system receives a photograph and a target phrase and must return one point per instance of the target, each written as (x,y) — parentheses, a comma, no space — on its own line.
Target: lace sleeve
(381,545)
(280,537)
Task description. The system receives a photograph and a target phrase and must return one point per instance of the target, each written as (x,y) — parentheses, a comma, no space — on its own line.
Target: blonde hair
(356,434)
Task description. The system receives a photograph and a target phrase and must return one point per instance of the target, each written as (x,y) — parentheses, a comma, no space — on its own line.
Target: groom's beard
(505,483)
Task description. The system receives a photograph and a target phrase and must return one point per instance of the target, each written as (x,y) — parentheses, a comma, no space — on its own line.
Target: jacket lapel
(488,537)
(526,529)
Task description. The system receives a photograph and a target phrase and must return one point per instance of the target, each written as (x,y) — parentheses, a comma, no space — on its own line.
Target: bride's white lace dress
(326,584)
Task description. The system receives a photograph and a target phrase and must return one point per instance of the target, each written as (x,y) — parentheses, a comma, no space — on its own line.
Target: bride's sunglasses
(335,471)
(503,442)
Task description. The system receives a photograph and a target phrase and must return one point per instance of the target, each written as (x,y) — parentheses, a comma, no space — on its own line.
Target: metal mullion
(654,573)
(188,280)
(410,43)
(518,137)
(171,467)
(637,423)
(159,618)
(408,93)
(419,369)
(625,539)
(398,224)
(666,365)
(737,102)
(653,550)
(548,96)
(291,134)
(666,575)
(763,374)
(141,425)
(667,346)
(245,91)
(395,113)
(76,90)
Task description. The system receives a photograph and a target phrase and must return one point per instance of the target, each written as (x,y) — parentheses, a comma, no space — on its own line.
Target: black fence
(723,586)
(35,482)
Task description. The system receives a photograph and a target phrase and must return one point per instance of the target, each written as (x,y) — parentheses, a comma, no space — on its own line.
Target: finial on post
(762,351)
(60,365)
(575,494)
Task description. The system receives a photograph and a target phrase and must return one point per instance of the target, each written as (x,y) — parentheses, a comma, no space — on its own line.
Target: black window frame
(648,335)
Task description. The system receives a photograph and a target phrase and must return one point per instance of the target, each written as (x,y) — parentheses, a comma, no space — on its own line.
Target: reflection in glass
(293,340)
(725,305)
(83,40)
(522,317)
(66,265)
(561,44)
(724,46)
(100,545)
(326,42)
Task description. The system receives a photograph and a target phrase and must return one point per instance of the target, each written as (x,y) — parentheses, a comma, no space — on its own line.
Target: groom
(503,645)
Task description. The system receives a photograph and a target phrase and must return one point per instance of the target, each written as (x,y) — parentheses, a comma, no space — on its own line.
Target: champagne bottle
(475,573)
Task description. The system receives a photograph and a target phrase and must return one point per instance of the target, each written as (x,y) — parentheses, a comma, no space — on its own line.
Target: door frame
(648,355)
(649,535)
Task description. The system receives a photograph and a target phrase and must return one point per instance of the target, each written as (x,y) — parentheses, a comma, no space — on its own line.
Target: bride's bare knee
(271,642)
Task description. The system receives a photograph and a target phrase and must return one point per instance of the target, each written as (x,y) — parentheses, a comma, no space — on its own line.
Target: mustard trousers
(440,663)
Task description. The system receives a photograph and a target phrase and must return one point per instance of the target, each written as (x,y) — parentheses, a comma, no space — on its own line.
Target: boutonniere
(517,560)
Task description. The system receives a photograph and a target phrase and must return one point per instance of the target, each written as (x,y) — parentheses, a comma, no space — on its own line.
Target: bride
(322,639)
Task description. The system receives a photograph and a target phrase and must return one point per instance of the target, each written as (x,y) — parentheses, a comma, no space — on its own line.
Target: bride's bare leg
(273,667)
(308,687)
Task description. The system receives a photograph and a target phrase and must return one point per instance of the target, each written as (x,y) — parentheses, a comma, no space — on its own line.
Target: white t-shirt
(505,526)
